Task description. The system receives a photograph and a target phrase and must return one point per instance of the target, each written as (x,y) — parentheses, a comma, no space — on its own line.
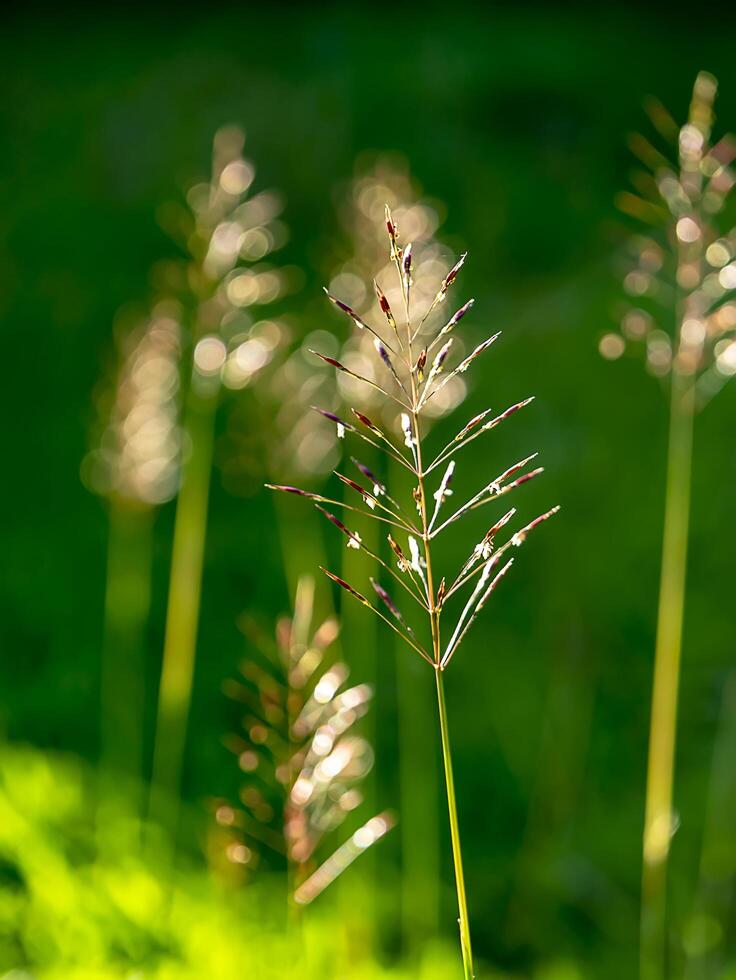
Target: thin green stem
(658,821)
(434,617)
(418,790)
(182,614)
(362,648)
(122,694)
(462,902)
(715,889)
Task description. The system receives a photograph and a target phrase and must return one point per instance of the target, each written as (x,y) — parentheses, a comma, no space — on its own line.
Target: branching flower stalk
(353,274)
(413,351)
(688,268)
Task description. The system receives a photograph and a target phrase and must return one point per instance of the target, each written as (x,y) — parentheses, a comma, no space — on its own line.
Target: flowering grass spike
(413,375)
(683,285)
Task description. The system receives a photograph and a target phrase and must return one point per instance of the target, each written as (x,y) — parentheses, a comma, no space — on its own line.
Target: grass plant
(413,366)
(360,214)
(135,467)
(684,277)
(226,233)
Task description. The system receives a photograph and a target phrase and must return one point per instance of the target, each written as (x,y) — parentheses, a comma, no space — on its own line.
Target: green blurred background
(516,119)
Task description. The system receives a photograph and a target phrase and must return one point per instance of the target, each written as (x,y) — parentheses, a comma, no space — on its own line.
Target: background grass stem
(658,821)
(182,614)
(360,642)
(418,789)
(127,604)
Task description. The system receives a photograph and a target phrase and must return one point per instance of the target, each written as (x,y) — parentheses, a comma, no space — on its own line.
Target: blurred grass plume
(301,758)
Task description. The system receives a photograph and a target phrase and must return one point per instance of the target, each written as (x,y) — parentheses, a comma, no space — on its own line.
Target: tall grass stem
(714,892)
(418,790)
(127,605)
(182,614)
(434,618)
(361,643)
(658,820)
(457,856)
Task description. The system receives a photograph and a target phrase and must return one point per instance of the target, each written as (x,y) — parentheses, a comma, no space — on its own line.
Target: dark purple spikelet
(521,535)
(393,234)
(383,353)
(367,473)
(476,420)
(345,585)
(339,524)
(452,274)
(459,314)
(296,490)
(526,477)
(400,556)
(477,352)
(442,356)
(357,320)
(514,408)
(338,303)
(515,468)
(493,531)
(505,414)
(333,418)
(385,307)
(365,494)
(365,420)
(351,483)
(328,360)
(390,605)
(421,362)
(497,579)
(385,597)
(485,547)
(406,264)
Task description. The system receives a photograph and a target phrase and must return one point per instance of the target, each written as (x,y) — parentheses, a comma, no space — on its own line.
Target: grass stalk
(658,820)
(457,857)
(361,645)
(182,614)
(434,616)
(418,805)
(682,198)
(127,604)
(707,950)
(418,790)
(134,466)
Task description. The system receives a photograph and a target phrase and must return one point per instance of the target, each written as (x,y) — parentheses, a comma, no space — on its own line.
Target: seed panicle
(415,571)
(420,375)
(298,751)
